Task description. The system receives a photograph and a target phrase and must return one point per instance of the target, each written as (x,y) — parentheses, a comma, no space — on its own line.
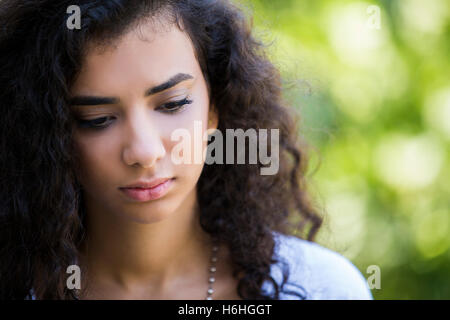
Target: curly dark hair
(41,212)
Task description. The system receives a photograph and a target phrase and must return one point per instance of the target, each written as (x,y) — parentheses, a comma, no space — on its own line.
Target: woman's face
(123,132)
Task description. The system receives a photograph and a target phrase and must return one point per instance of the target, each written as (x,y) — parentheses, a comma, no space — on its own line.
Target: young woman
(89,174)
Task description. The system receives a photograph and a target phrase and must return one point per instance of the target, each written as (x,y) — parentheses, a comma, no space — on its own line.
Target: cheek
(194,124)
(95,160)
(190,133)
(193,121)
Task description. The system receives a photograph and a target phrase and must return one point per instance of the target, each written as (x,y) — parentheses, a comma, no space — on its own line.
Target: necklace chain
(212,270)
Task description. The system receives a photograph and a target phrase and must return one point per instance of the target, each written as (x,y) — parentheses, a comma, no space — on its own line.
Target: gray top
(321,273)
(316,272)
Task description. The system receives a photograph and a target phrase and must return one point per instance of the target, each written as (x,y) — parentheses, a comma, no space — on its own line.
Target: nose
(144,146)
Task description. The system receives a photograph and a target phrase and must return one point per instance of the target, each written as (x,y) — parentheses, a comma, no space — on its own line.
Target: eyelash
(170,108)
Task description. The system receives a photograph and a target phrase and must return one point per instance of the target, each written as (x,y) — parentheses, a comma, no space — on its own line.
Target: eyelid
(88,123)
(178,105)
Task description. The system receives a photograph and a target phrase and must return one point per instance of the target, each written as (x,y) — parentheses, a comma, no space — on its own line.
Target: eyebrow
(94,100)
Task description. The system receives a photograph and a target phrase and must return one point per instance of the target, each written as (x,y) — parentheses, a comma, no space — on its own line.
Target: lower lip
(148,194)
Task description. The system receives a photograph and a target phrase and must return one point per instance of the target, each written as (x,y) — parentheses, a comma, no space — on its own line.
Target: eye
(175,106)
(99,123)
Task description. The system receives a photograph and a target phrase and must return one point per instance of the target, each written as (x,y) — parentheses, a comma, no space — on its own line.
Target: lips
(147,184)
(146,191)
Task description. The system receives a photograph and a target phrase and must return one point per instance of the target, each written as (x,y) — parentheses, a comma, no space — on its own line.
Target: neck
(127,254)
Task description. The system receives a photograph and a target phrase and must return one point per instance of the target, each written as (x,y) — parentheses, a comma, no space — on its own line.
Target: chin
(148,214)
(145,218)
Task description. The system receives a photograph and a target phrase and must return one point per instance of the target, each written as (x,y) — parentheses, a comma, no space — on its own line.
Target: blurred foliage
(375,106)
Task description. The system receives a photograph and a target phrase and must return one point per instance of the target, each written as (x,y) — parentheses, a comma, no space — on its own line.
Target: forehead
(141,57)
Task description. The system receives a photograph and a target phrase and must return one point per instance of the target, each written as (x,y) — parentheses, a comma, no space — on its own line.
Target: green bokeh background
(374,98)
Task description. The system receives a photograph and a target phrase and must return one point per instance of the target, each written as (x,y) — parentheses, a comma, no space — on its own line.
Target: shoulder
(318,272)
